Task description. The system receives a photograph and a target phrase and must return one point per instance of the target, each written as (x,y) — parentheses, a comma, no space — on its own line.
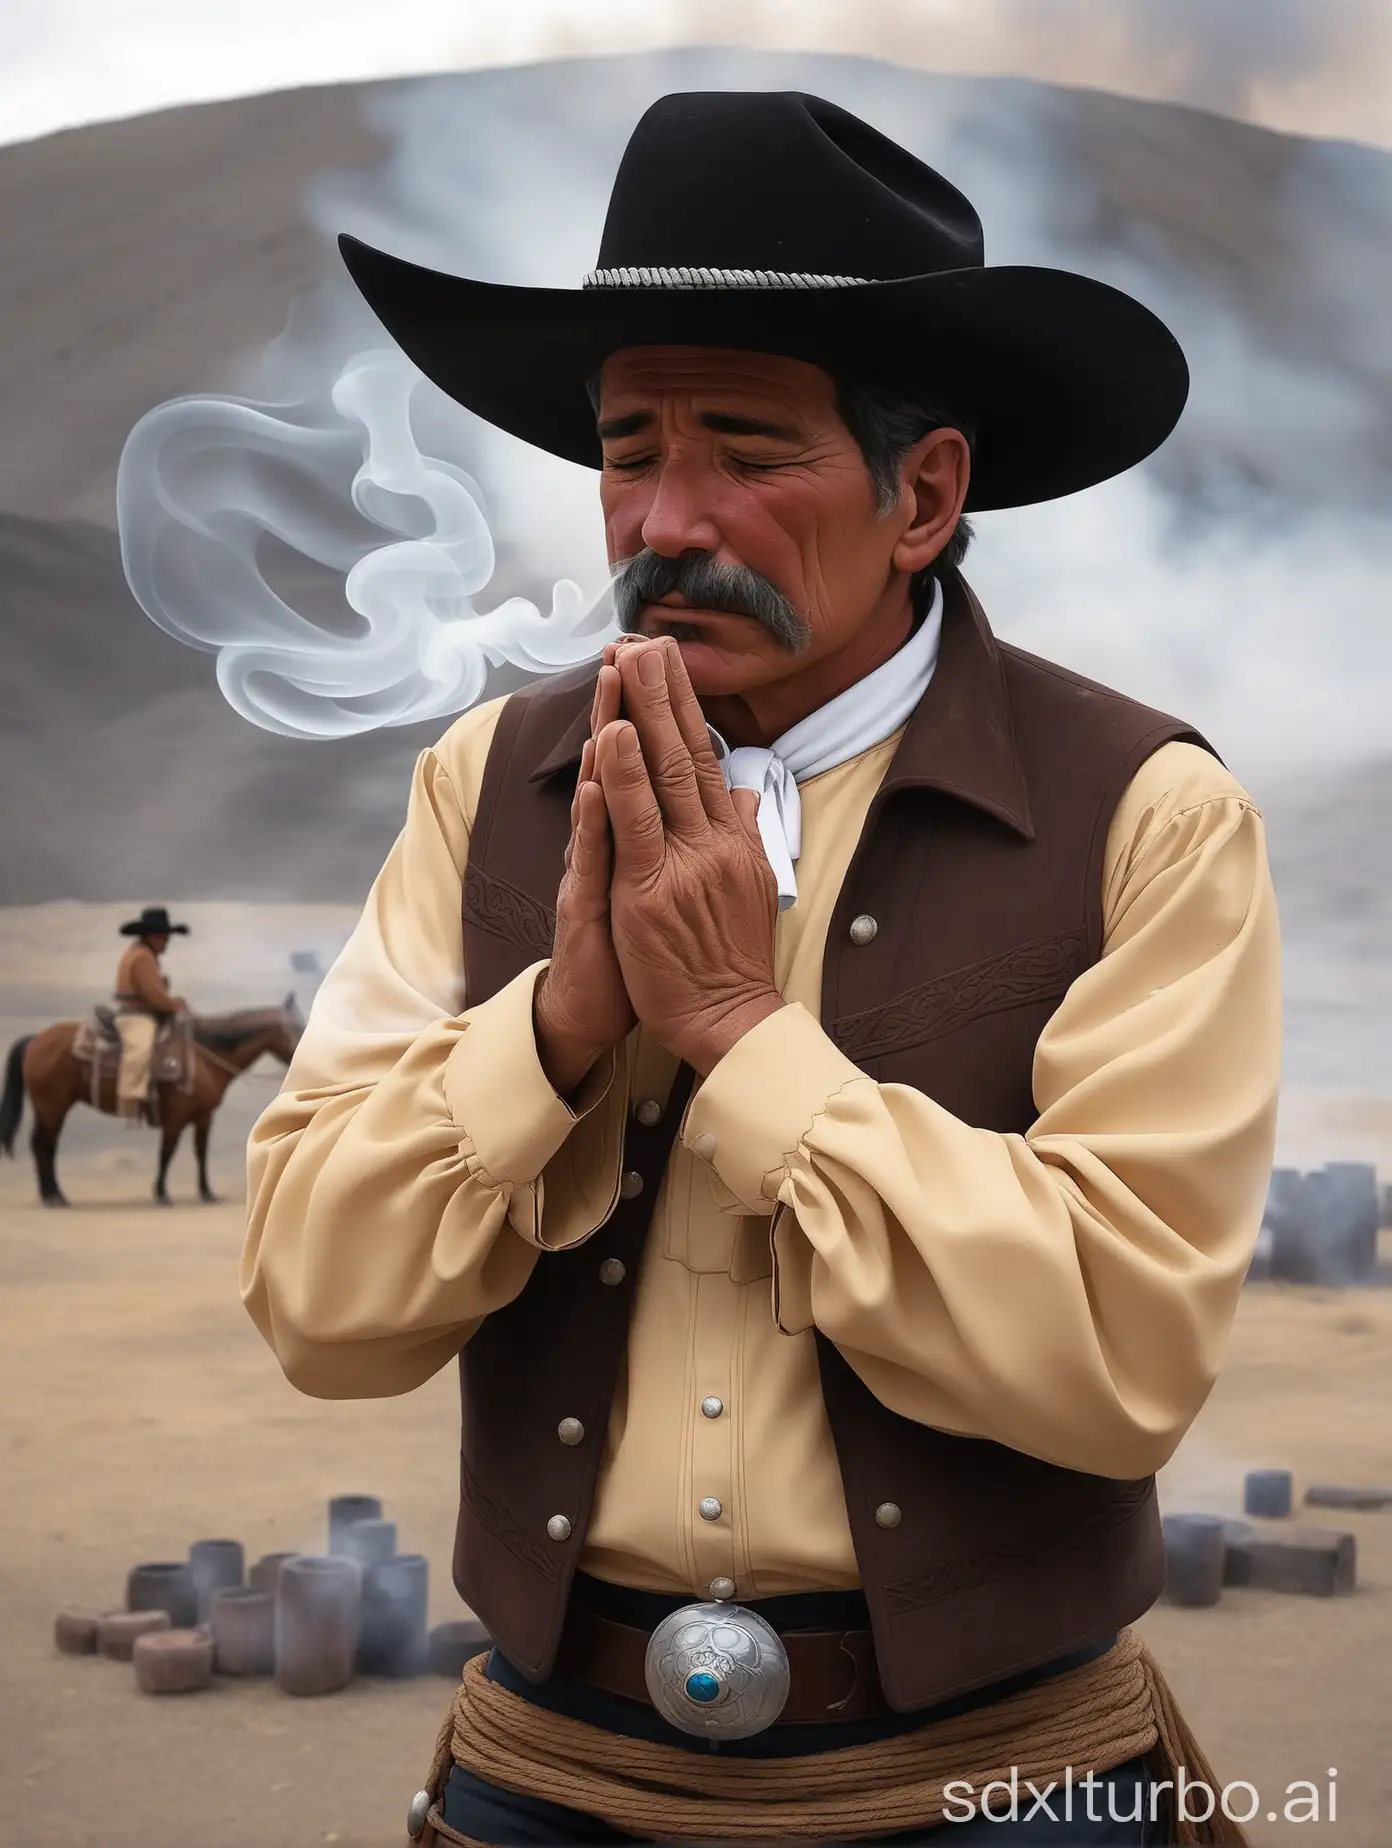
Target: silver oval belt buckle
(717,1670)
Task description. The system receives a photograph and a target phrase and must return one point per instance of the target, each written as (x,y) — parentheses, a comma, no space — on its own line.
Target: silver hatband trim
(717,279)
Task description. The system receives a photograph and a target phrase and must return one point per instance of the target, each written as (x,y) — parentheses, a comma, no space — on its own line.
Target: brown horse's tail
(12,1103)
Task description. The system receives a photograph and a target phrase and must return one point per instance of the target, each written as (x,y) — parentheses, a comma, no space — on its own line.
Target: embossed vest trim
(981,860)
(1039,971)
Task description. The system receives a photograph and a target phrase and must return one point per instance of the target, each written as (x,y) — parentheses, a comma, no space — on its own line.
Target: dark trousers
(1113,1813)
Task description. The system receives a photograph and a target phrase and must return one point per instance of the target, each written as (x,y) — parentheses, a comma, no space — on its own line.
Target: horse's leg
(201,1130)
(44,1143)
(55,1080)
(173,1121)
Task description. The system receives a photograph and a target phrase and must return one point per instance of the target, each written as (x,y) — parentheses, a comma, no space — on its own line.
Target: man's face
(159,943)
(740,460)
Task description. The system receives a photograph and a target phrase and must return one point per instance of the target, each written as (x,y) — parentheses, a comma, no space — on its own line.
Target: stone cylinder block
(369,1542)
(215,1564)
(265,1574)
(344,1510)
(1267,1492)
(75,1632)
(242,1622)
(1195,1548)
(317,1617)
(394,1639)
(118,1630)
(453,1644)
(173,1662)
(164,1585)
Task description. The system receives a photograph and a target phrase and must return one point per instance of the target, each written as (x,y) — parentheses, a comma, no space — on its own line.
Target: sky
(1317,67)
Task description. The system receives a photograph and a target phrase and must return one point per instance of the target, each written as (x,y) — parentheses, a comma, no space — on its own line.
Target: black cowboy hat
(153,922)
(780,223)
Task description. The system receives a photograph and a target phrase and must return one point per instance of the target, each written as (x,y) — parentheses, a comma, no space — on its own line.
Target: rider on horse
(143,1004)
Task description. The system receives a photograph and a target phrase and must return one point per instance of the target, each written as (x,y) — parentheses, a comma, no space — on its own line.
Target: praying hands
(667,905)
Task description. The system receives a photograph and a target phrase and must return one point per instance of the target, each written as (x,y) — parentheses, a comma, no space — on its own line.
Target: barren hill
(146,258)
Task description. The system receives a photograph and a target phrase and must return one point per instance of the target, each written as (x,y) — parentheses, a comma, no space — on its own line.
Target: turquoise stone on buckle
(717,1670)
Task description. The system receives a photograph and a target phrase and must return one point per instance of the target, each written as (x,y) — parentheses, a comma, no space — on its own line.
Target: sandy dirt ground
(139,1411)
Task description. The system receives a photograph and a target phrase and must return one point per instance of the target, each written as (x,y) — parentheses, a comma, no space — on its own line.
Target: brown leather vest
(981,860)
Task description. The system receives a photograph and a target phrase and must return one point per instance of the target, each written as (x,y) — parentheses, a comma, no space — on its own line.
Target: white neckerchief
(864,715)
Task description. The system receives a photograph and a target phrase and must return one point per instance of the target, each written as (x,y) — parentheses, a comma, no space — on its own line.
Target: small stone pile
(1206,1553)
(311,1620)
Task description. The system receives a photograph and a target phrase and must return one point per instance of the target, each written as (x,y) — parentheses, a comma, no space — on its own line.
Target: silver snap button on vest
(558,1527)
(631,1185)
(721,1589)
(710,1508)
(712,1407)
(888,1514)
(417,1813)
(863,929)
(612,1270)
(704,1146)
(648,1111)
(570,1431)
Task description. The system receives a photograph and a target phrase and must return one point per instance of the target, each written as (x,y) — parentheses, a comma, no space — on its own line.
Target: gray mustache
(706,583)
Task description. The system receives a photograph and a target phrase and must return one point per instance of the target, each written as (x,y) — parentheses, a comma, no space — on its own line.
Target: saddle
(98,1042)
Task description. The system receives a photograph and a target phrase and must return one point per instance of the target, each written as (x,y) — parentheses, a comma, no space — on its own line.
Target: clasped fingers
(635,820)
(643,670)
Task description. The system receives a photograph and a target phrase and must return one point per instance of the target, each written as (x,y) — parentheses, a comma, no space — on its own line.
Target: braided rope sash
(1095,1717)
(717,279)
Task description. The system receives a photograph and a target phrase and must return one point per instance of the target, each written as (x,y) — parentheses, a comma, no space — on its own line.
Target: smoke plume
(1238,578)
(326,480)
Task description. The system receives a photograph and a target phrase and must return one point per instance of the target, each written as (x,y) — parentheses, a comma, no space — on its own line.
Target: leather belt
(832,1673)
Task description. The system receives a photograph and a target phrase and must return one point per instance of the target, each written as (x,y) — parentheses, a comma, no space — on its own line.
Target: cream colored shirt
(140,982)
(1067,1292)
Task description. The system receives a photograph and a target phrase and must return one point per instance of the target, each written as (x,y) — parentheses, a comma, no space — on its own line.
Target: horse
(45,1066)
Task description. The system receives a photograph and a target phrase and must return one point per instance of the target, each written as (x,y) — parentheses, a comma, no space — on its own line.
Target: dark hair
(886,421)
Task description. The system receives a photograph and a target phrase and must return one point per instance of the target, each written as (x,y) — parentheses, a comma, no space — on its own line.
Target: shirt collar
(959,739)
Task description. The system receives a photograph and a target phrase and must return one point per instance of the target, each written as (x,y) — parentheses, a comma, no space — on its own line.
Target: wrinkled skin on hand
(582,1009)
(693,900)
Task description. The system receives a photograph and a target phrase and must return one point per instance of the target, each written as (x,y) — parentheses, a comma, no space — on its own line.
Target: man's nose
(679,517)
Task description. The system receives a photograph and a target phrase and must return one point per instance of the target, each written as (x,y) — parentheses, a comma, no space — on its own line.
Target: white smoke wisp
(204,484)
(1239,578)
(1255,630)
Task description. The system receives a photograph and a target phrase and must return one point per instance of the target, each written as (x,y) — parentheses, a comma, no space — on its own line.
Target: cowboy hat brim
(138,928)
(1067,380)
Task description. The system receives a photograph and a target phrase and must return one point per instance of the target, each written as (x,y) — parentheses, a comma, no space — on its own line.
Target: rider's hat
(153,922)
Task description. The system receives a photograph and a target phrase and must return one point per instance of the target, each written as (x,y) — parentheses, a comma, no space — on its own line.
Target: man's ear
(937,472)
